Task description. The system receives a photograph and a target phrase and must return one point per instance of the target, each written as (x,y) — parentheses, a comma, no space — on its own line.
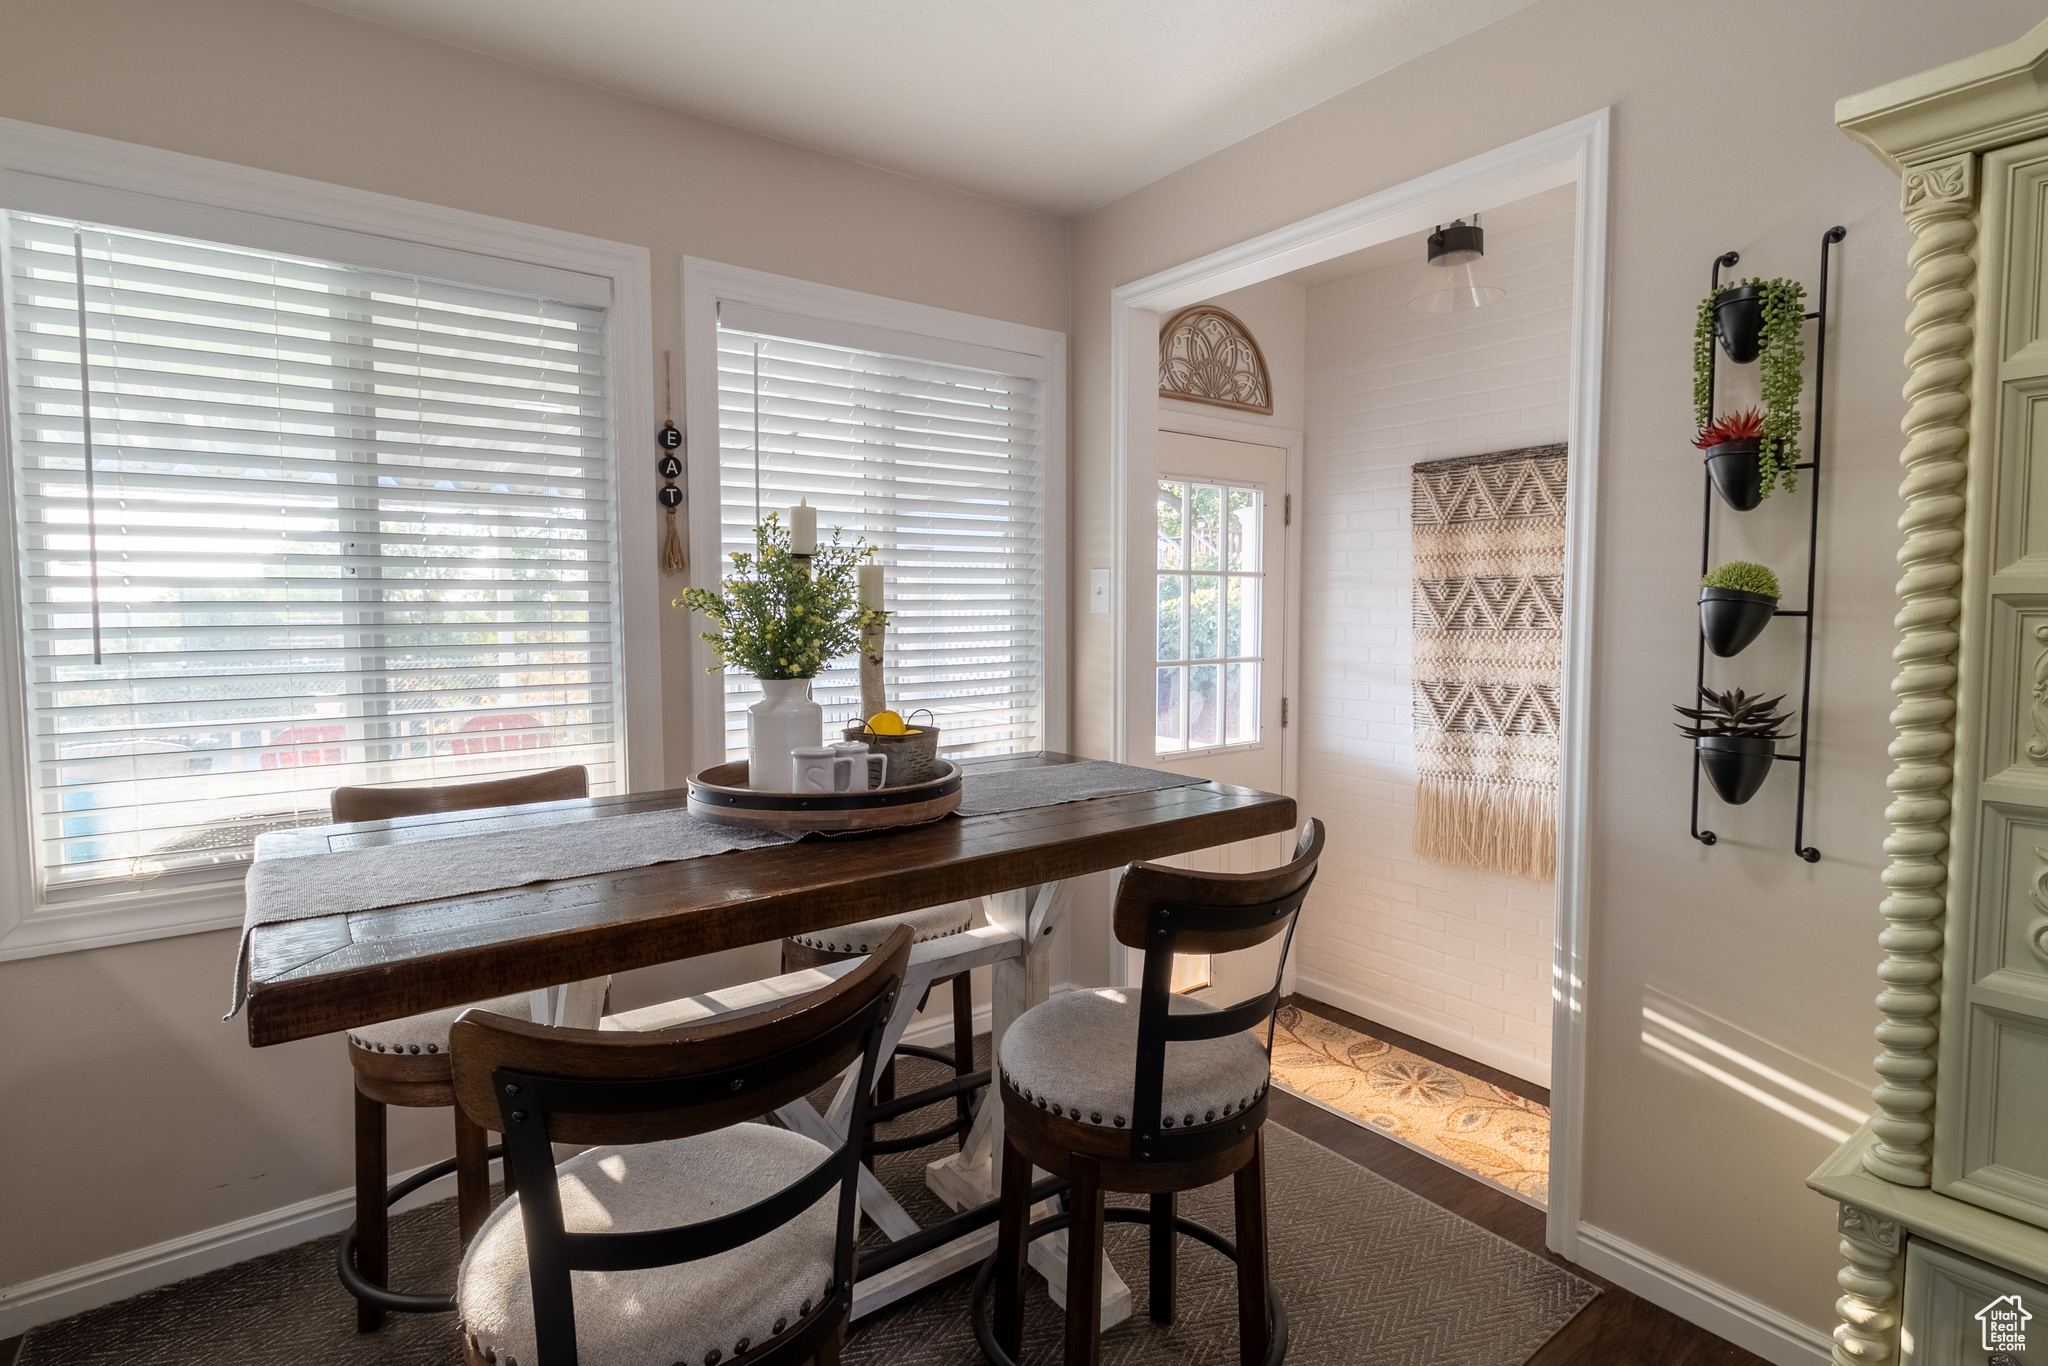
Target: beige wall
(133,1115)
(1723,138)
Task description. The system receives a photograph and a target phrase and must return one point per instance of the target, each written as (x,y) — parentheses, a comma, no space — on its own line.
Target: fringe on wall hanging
(673,560)
(1488,650)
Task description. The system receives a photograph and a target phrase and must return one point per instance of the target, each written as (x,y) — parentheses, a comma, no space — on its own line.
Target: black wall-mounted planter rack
(1744,772)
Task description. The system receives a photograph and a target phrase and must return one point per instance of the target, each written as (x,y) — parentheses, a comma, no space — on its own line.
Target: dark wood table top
(310,977)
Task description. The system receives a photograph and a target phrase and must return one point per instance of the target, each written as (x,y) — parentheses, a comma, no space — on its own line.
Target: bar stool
(1092,1093)
(852,941)
(406,1062)
(698,1237)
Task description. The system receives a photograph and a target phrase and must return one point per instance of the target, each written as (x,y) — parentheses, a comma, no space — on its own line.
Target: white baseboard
(1309,983)
(80,1288)
(1751,1326)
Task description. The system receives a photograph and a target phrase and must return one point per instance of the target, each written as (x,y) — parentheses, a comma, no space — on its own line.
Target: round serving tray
(720,793)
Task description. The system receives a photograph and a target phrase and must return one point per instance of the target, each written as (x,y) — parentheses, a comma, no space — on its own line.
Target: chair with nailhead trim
(695,1236)
(841,942)
(1150,1093)
(405,1062)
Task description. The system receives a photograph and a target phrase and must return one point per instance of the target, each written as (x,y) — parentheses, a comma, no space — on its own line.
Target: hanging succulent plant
(1781,355)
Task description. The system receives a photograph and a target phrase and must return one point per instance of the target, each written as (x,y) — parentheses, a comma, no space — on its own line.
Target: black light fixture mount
(1457,277)
(1460,236)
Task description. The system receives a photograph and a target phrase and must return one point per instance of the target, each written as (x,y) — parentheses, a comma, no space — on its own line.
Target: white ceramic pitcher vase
(784,719)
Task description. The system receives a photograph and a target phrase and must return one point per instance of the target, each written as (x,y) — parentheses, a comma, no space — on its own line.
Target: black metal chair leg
(1165,1265)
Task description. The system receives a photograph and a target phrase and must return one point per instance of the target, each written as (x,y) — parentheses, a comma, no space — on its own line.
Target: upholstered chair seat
(1076,1055)
(427,1034)
(723,1308)
(933,922)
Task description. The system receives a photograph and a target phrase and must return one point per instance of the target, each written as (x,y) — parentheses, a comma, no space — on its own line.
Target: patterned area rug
(1461,1120)
(1371,1272)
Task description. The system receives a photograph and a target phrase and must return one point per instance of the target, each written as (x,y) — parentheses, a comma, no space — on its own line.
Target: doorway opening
(1331,640)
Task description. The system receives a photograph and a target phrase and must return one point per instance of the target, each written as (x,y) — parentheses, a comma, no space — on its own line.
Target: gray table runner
(991,794)
(463,863)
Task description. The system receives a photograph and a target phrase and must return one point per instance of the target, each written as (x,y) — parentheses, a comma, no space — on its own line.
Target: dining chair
(694,1236)
(841,942)
(405,1062)
(1150,1093)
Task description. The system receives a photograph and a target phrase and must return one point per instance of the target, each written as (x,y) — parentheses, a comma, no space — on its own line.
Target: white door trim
(1571,153)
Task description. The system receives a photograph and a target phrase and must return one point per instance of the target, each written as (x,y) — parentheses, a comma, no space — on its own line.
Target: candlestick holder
(872,700)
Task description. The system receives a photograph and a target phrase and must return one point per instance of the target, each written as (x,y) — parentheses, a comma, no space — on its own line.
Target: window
(942,465)
(315,524)
(1209,586)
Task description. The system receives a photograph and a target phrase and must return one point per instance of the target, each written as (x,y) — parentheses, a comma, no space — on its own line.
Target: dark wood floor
(1617,1329)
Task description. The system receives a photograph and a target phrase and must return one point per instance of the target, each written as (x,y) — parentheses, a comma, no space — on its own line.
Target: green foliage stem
(1745,577)
(1780,358)
(780,617)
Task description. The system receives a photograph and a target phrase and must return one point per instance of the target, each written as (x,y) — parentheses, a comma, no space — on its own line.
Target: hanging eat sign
(1207,356)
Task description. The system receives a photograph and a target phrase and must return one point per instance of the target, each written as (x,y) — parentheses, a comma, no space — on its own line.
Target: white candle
(803,529)
(871,586)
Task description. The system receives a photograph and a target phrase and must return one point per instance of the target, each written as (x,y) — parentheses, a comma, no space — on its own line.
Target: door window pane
(1205,713)
(1171,500)
(1170,586)
(1205,600)
(1167,710)
(1244,531)
(1241,703)
(1207,614)
(1205,527)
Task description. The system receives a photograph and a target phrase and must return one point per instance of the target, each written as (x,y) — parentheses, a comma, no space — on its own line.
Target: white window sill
(126,917)
(1167,756)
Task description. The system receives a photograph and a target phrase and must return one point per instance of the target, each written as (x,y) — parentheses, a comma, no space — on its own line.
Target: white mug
(871,765)
(830,768)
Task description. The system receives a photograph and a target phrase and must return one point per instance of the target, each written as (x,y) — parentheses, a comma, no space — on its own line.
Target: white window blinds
(942,467)
(324,525)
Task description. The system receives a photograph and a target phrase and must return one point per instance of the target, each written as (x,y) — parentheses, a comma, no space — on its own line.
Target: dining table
(1029,825)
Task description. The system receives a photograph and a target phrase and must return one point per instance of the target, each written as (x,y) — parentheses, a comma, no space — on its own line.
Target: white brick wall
(1458,957)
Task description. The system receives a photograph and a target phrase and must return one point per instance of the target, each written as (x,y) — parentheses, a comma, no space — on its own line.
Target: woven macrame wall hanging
(1488,646)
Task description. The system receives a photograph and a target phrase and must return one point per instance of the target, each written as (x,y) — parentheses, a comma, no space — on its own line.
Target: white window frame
(872,322)
(73,175)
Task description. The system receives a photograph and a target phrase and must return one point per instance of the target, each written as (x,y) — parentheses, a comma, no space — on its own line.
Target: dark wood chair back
(1165,911)
(540,1085)
(389,803)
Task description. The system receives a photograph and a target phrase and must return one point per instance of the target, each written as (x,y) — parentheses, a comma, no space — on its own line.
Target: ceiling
(1057,105)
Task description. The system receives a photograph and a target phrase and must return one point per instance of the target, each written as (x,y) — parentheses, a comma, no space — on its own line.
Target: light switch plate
(1098,590)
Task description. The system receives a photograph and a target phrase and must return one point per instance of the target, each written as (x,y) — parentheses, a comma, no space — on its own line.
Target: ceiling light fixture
(1457,276)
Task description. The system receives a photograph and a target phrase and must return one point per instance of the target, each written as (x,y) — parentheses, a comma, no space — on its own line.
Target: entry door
(1219,595)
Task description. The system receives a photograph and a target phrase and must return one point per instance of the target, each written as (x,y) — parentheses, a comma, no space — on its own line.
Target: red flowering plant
(1747,425)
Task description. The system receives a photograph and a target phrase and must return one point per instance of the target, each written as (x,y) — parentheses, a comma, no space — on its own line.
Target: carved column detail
(1938,200)
(1869,1306)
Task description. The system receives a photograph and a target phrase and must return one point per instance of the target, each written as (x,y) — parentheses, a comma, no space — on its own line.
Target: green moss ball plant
(1744,577)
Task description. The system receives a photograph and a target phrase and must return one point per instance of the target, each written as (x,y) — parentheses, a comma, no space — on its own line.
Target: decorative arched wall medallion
(1207,356)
